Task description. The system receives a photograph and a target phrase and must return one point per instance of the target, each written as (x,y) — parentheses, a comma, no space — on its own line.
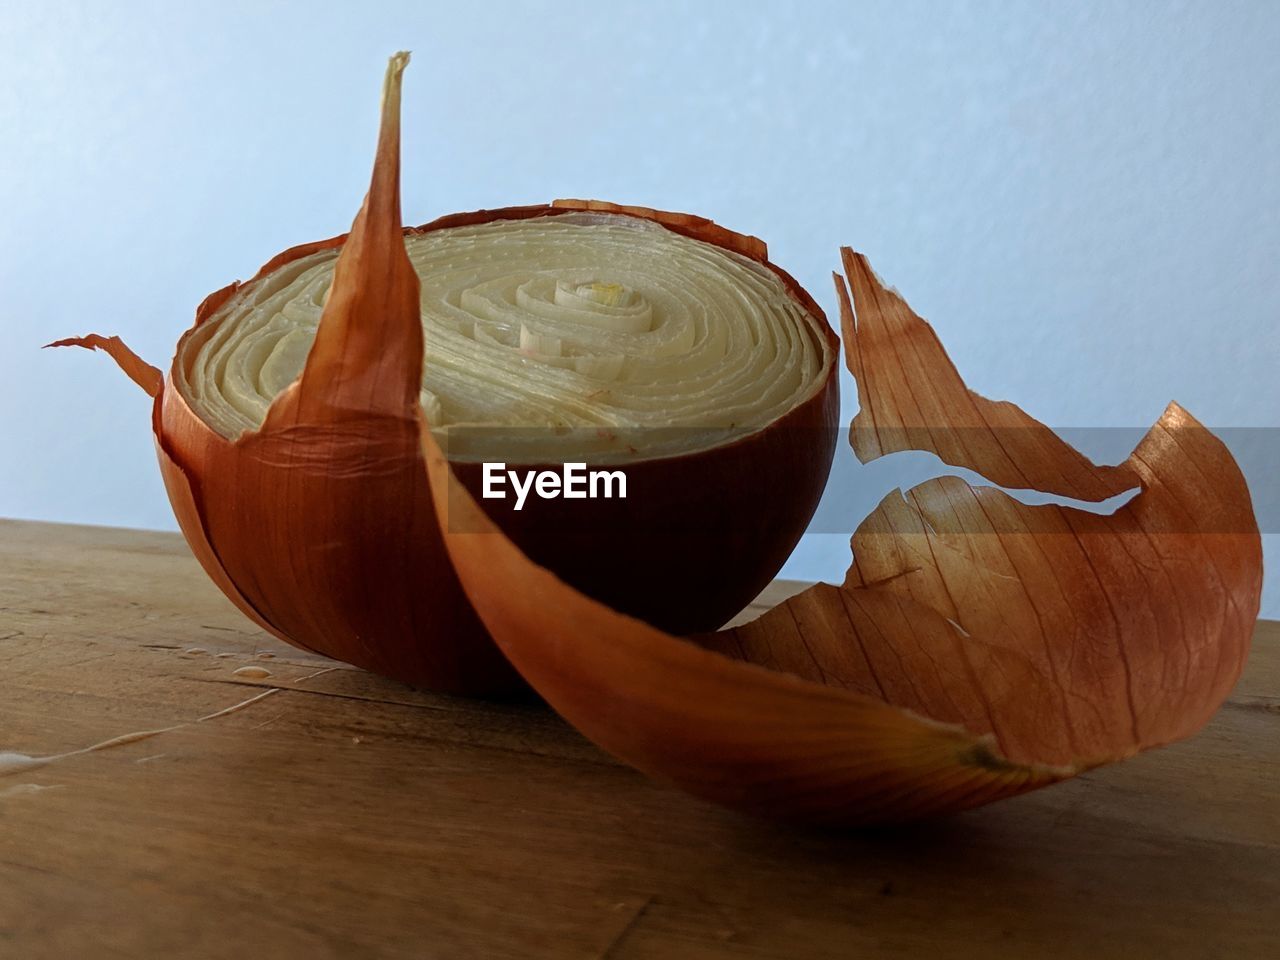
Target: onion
(323,435)
(658,344)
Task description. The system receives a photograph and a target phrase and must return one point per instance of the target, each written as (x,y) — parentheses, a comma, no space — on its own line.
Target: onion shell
(979,647)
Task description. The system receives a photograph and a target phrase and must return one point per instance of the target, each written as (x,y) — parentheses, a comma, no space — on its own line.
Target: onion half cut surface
(592,336)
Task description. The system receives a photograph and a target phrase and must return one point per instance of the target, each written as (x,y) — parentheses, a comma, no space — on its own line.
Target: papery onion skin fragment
(315,519)
(138,370)
(320,525)
(729,731)
(979,647)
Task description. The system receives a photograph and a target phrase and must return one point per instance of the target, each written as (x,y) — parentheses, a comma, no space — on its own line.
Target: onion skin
(979,647)
(728,731)
(320,525)
(729,518)
(317,519)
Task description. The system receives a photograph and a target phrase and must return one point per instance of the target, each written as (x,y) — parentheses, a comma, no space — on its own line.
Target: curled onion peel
(979,648)
(287,428)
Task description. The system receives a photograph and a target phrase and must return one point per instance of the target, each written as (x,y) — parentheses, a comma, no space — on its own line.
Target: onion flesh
(587,336)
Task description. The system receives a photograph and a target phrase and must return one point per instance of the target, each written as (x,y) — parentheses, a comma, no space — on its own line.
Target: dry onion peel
(727,730)
(149,378)
(979,647)
(911,397)
(318,521)
(334,471)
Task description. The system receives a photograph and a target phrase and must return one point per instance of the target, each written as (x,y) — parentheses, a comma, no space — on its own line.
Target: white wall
(1085,198)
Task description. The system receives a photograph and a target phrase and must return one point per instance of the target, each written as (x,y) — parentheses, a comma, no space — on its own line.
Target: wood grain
(345,816)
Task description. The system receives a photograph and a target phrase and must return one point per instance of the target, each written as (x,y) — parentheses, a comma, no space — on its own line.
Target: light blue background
(1084,197)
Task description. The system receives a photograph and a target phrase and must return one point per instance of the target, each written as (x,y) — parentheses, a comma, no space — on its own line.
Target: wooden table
(338,815)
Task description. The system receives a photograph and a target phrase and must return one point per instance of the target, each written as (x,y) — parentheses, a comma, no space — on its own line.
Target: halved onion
(978,648)
(658,344)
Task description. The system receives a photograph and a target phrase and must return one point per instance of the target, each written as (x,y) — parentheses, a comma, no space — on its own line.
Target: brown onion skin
(697,538)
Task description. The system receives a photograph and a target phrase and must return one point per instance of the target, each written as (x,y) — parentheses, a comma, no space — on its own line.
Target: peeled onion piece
(655,344)
(979,648)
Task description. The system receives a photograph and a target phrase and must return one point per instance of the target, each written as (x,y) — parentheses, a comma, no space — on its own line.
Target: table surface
(334,814)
